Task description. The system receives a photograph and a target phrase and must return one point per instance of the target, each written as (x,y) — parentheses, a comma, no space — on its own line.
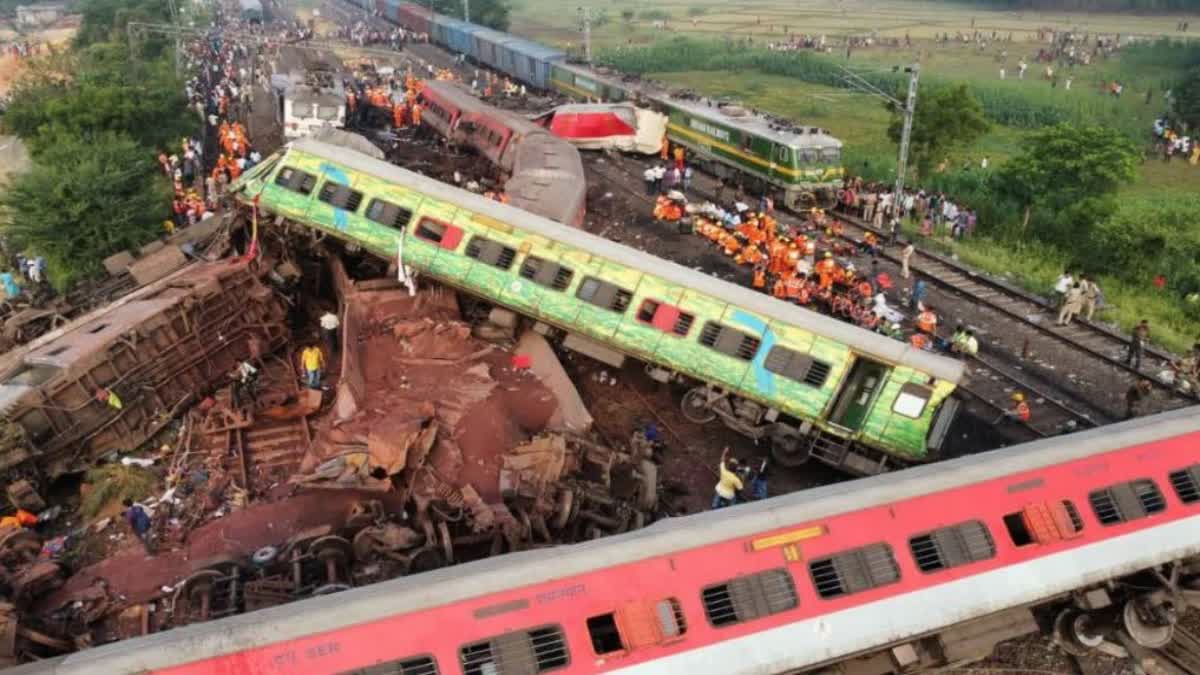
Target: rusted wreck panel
(154,350)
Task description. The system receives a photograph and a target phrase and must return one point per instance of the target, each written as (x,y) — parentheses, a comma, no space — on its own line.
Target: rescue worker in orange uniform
(1019,412)
(398,116)
(825,270)
(416,114)
(927,321)
(664,153)
(760,276)
(678,157)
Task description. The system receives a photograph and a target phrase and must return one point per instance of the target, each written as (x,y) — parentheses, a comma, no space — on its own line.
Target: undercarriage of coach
(1135,617)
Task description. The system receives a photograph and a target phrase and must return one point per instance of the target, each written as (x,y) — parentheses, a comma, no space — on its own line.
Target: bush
(112,484)
(654,15)
(697,11)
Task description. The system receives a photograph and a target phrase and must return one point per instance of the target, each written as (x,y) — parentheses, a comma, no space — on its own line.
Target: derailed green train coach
(814,387)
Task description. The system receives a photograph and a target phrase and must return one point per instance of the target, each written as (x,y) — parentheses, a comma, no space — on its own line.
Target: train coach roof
(537,51)
(451,22)
(781,131)
(862,341)
(493,36)
(519,570)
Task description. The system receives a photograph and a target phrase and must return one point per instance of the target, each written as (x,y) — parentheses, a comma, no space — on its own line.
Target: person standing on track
(1020,411)
(1072,303)
(905,256)
(1134,397)
(1137,344)
(1091,294)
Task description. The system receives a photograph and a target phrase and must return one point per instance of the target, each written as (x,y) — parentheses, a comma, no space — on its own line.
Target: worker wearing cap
(825,270)
(1019,412)
(927,321)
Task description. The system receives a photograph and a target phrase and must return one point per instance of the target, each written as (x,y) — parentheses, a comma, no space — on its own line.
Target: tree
(1187,99)
(105,20)
(490,13)
(1070,173)
(82,201)
(946,118)
(97,90)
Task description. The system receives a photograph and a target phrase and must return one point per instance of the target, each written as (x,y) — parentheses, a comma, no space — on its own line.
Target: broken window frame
(812,368)
(912,391)
(471,664)
(401,220)
(291,184)
(681,319)
(340,196)
(448,238)
(618,302)
(491,252)
(749,597)
(952,546)
(747,346)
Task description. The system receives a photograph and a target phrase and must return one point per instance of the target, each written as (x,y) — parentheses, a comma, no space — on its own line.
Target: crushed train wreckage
(438,440)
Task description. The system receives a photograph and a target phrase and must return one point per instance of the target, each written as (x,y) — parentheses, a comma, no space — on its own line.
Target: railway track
(993,380)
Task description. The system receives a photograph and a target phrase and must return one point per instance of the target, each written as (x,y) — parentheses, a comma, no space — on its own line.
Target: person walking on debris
(1019,412)
(1137,344)
(313,361)
(329,331)
(139,521)
(245,384)
(729,483)
(1136,394)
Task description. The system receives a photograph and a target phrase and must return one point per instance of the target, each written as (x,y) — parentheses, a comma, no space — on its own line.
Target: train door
(859,390)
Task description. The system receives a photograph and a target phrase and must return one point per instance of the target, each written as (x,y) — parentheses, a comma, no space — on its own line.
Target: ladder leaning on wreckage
(811,385)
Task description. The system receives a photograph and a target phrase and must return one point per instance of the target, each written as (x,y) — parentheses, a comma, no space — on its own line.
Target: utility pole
(910,107)
(467,11)
(178,40)
(585,13)
(906,108)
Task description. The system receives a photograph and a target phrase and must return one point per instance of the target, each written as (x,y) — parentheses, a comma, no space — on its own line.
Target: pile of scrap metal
(25,576)
(111,379)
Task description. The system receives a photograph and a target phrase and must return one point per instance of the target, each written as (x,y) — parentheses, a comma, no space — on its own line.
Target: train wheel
(788,449)
(695,406)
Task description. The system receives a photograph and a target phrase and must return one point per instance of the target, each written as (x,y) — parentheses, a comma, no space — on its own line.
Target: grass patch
(113,483)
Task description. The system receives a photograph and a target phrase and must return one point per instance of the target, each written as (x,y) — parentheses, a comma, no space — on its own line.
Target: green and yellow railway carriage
(801,166)
(813,386)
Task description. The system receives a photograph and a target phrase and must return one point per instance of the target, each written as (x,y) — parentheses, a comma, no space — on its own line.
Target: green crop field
(719,49)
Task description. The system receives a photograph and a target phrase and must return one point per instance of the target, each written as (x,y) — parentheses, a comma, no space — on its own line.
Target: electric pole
(467,11)
(907,109)
(910,107)
(585,13)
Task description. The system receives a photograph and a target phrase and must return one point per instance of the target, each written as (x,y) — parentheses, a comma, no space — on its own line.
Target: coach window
(525,652)
(854,571)
(746,140)
(1187,484)
(729,341)
(545,273)
(749,597)
(603,294)
(340,196)
(606,637)
(387,213)
(911,400)
(952,546)
(296,180)
(1044,523)
(491,252)
(1124,502)
(417,665)
(782,154)
(797,367)
(431,231)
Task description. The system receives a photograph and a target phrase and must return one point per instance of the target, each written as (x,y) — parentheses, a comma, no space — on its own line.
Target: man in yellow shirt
(729,484)
(313,360)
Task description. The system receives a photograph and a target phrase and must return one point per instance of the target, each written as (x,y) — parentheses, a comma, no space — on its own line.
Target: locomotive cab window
(606,638)
(1187,484)
(491,252)
(525,652)
(729,341)
(1124,502)
(911,400)
(387,213)
(419,665)
(545,273)
(603,294)
(296,180)
(340,196)
(749,597)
